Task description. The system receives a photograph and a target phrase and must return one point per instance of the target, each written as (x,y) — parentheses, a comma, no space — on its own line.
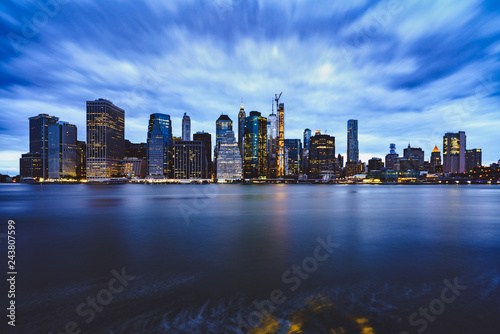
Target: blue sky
(409,71)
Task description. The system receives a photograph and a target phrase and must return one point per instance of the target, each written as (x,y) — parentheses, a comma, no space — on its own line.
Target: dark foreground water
(212,259)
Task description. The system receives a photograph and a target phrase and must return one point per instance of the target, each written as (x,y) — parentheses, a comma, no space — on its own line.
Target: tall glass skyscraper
(229,162)
(294,150)
(321,155)
(454,152)
(39,138)
(62,150)
(272,143)
(352,141)
(222,125)
(186,127)
(307,138)
(255,163)
(105,139)
(160,145)
(241,129)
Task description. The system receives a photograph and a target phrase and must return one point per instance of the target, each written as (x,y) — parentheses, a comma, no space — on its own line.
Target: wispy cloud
(409,70)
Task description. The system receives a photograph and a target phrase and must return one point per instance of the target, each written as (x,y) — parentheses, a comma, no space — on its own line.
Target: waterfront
(202,254)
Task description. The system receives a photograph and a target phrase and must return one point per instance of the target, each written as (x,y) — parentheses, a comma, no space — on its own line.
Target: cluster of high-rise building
(258,151)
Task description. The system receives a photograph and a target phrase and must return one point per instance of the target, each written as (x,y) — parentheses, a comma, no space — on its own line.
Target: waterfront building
(307,138)
(31,165)
(229,162)
(134,167)
(62,150)
(81,159)
(255,163)
(136,150)
(294,156)
(473,159)
(160,146)
(375,164)
(190,161)
(206,138)
(435,163)
(321,154)
(413,156)
(241,129)
(272,144)
(39,139)
(281,159)
(105,139)
(390,159)
(186,127)
(352,141)
(454,147)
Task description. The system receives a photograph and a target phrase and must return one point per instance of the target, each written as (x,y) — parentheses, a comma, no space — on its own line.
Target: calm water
(203,254)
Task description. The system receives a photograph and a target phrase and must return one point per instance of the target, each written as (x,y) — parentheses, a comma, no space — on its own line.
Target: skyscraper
(472,159)
(229,162)
(186,127)
(352,141)
(189,159)
(416,155)
(160,145)
(255,163)
(105,139)
(62,150)
(272,144)
(321,155)
(390,159)
(39,138)
(307,138)
(375,164)
(280,170)
(454,152)
(206,138)
(294,150)
(435,159)
(222,125)
(241,129)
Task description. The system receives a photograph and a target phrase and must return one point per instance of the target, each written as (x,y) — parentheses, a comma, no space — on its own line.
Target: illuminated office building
(39,138)
(229,162)
(222,125)
(435,163)
(81,159)
(294,156)
(134,167)
(280,168)
(241,129)
(160,146)
(272,144)
(321,154)
(31,165)
(472,159)
(206,138)
(454,152)
(190,160)
(307,138)
(255,164)
(352,141)
(62,155)
(390,159)
(105,139)
(375,164)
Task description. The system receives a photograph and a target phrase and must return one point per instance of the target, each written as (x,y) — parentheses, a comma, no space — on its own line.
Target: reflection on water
(203,255)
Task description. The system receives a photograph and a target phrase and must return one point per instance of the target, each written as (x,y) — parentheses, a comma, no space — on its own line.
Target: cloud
(407,76)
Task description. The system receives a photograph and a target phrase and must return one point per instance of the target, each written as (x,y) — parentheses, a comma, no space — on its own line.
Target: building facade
(272,144)
(473,159)
(321,155)
(390,159)
(160,146)
(105,139)
(39,138)
(255,163)
(454,147)
(186,127)
(134,167)
(189,159)
(375,164)
(206,138)
(62,155)
(241,129)
(352,141)
(294,156)
(435,162)
(31,165)
(229,162)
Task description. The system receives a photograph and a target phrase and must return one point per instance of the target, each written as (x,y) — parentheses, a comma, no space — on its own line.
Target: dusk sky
(409,71)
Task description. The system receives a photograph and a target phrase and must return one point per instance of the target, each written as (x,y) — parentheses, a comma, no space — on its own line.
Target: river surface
(225,258)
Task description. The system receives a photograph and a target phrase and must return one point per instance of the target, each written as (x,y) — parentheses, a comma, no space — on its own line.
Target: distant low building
(31,165)
(134,167)
(375,164)
(473,159)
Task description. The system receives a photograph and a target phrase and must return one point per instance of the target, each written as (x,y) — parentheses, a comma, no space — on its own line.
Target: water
(203,256)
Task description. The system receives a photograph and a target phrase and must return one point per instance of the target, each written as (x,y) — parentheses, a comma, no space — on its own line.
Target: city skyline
(329,64)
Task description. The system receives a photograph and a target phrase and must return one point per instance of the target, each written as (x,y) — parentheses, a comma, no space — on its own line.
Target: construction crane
(280,170)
